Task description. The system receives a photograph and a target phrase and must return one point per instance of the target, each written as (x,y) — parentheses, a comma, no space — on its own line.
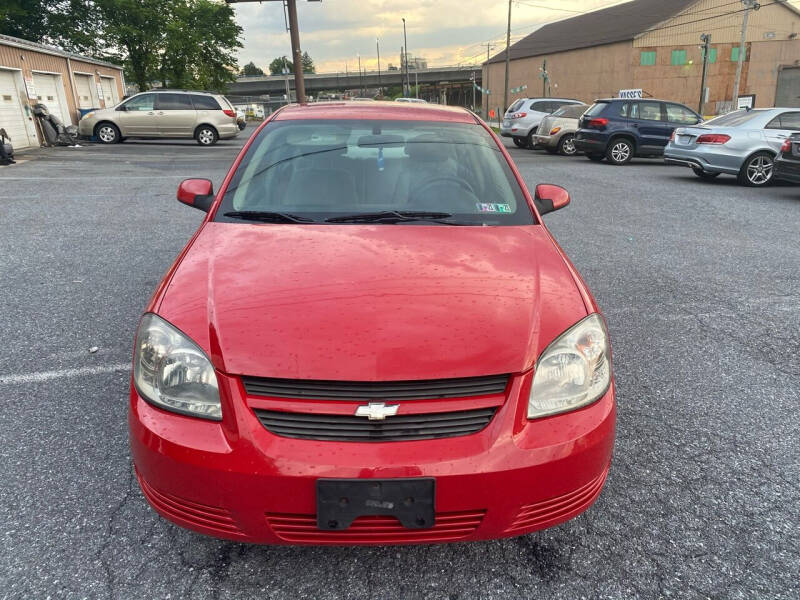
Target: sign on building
(30,87)
(637,93)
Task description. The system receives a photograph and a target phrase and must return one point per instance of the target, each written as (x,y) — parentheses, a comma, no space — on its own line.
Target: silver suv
(204,116)
(523,117)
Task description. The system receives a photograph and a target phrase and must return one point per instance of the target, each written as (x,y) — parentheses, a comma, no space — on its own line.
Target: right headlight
(88,115)
(172,372)
(573,371)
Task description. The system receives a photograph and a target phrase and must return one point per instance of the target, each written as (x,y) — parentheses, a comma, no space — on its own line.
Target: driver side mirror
(122,108)
(197,193)
(549,197)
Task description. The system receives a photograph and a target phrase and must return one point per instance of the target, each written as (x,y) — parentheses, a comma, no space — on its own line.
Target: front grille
(423,389)
(448,527)
(346,428)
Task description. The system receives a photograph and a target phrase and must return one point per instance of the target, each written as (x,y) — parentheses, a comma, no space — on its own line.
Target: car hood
(372,302)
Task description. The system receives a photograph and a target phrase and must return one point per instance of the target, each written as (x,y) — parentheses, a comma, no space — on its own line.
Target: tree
(276,66)
(251,70)
(308,64)
(69,24)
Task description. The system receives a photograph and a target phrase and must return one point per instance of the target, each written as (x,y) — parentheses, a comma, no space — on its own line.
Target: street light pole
(706,39)
(405,58)
(378,46)
(360,80)
(749,4)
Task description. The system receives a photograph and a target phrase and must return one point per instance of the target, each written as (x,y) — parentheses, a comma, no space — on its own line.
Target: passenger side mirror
(197,193)
(549,197)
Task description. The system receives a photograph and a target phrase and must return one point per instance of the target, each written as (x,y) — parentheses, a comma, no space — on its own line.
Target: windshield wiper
(265,216)
(395,216)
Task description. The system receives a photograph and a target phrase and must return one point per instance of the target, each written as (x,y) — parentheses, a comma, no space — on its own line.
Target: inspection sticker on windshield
(500,208)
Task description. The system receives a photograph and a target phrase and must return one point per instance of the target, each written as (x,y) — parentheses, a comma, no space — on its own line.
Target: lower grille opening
(347,428)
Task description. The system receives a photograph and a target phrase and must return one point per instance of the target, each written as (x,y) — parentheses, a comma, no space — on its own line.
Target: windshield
(734,119)
(315,170)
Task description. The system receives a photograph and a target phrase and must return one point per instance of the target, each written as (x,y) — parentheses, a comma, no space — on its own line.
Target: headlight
(88,115)
(573,371)
(172,372)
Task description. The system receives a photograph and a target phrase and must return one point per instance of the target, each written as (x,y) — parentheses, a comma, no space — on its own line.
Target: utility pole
(489,47)
(474,83)
(749,5)
(286,81)
(508,60)
(360,80)
(378,46)
(405,45)
(297,54)
(706,39)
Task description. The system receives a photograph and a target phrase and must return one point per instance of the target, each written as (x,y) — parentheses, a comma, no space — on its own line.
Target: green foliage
(308,64)
(70,24)
(276,66)
(251,70)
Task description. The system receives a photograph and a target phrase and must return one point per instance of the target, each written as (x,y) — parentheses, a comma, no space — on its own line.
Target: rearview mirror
(549,197)
(197,193)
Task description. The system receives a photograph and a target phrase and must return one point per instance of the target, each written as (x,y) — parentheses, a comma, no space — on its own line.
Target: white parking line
(48,375)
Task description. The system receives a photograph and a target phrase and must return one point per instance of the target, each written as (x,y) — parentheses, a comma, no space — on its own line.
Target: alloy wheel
(620,152)
(205,137)
(568,146)
(107,134)
(759,170)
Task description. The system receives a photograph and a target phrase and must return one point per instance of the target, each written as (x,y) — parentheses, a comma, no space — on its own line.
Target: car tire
(595,157)
(619,151)
(206,135)
(757,170)
(519,142)
(566,145)
(529,143)
(704,174)
(108,133)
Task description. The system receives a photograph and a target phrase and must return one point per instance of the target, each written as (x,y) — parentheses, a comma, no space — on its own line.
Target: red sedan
(371,339)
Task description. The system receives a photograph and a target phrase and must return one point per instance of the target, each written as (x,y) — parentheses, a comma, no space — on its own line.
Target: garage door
(12,117)
(49,90)
(109,91)
(83,85)
(788,93)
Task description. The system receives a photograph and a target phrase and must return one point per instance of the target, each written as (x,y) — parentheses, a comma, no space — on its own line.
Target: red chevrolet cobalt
(372,338)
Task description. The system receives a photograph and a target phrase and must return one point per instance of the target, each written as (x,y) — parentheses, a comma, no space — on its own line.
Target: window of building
(735,54)
(648,58)
(678,57)
(712,55)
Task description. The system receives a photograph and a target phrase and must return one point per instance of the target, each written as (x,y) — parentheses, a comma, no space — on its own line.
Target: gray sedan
(743,143)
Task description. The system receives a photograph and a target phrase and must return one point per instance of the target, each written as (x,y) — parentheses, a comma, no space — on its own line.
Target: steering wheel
(447,179)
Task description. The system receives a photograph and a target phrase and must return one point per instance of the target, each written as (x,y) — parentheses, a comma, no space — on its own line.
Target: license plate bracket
(341,501)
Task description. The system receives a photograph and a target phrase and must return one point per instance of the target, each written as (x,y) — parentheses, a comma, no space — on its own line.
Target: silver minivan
(522,118)
(204,116)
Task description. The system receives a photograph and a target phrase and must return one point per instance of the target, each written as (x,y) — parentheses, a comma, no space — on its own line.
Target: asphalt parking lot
(700,282)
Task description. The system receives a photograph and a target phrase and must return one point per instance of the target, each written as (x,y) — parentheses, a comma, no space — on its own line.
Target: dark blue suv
(619,129)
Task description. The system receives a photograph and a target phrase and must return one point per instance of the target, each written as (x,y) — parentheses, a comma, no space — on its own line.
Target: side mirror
(197,193)
(122,108)
(548,198)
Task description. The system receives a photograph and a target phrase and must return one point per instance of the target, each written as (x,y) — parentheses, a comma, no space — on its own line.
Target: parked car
(204,116)
(743,143)
(556,132)
(618,129)
(419,363)
(417,100)
(522,119)
(787,164)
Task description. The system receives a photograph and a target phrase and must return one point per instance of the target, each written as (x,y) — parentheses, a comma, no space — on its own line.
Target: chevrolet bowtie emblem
(377,411)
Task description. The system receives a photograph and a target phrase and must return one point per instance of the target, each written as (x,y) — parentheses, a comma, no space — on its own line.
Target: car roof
(167,90)
(399,111)
(642,99)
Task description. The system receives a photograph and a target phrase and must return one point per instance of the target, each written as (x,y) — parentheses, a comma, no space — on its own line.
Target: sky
(445,32)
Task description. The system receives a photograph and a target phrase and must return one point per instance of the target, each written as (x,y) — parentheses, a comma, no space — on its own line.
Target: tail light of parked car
(519,115)
(786,146)
(598,123)
(555,130)
(713,138)
(229,112)
(672,137)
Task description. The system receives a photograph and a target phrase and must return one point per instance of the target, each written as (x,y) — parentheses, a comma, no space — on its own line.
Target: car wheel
(566,145)
(704,174)
(206,135)
(520,142)
(757,170)
(529,143)
(620,152)
(595,157)
(108,133)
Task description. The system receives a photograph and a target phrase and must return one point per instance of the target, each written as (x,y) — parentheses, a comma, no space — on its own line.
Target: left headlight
(573,371)
(172,372)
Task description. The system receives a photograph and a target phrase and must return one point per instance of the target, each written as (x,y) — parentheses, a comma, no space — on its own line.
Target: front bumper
(86,127)
(236,480)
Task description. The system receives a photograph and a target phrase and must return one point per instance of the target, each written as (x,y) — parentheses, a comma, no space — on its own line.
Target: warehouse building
(64,82)
(654,46)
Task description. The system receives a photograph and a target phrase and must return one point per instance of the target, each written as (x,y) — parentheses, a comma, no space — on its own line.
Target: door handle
(161,112)
(151,113)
